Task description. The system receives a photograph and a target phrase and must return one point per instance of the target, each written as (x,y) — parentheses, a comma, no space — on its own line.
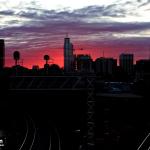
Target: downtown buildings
(83,63)
(105,66)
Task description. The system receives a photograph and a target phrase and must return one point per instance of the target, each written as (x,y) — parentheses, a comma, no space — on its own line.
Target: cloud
(31,28)
(145,3)
(6,12)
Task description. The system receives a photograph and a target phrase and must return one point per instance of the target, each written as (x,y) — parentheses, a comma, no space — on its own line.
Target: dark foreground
(44,119)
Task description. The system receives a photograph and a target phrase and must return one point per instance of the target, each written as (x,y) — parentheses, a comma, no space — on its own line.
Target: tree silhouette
(55,69)
(46,58)
(16,56)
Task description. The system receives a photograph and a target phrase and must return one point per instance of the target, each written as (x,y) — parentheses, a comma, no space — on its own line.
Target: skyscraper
(68,55)
(126,63)
(2,53)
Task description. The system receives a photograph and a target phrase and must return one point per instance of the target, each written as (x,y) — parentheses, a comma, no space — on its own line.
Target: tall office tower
(126,63)
(2,53)
(68,55)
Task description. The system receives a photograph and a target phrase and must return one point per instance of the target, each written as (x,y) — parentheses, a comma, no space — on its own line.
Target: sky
(38,27)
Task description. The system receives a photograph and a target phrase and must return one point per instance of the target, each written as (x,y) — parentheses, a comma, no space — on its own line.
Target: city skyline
(36,28)
(72,56)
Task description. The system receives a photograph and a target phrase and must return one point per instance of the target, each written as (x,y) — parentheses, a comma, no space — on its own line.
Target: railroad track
(40,137)
(145,144)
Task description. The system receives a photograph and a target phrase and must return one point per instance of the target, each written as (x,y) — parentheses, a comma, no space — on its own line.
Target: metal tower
(90,114)
(89,136)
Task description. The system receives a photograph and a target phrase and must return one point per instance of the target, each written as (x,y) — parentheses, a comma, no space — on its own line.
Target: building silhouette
(2,53)
(105,66)
(143,69)
(68,55)
(126,63)
(84,63)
